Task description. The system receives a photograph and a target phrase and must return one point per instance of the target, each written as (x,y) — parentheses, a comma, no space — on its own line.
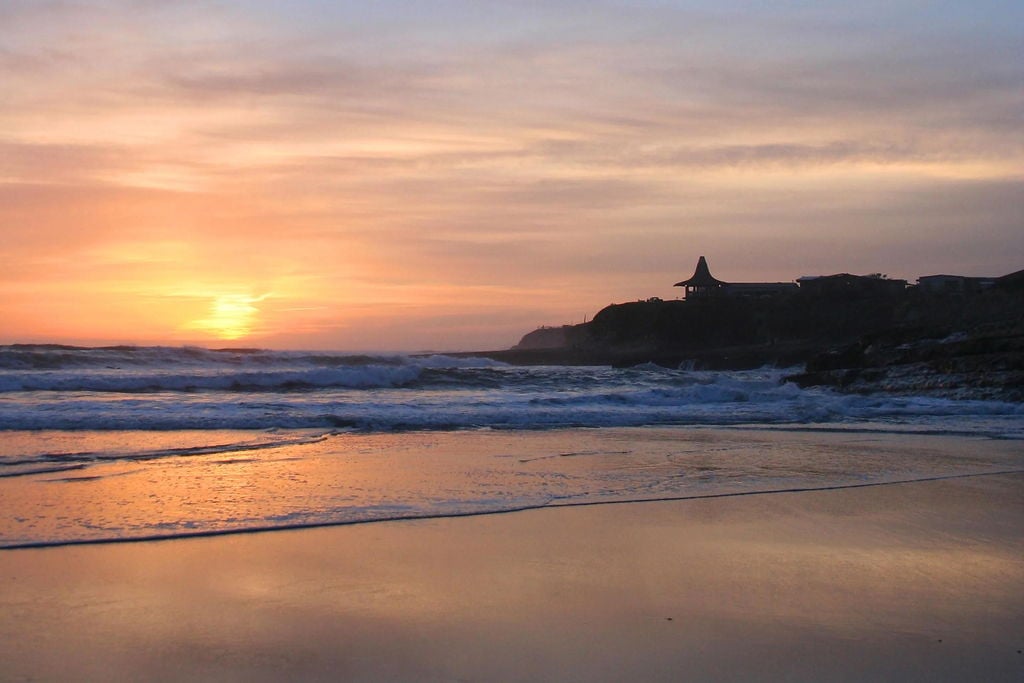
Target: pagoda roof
(701,277)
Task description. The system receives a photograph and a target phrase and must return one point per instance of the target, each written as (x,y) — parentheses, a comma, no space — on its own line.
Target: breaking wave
(164,388)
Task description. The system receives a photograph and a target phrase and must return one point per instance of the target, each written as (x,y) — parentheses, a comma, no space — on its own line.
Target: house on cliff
(703,285)
(846,285)
(954,284)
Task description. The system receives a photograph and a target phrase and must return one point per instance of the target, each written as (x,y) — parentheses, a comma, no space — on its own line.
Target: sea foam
(161,388)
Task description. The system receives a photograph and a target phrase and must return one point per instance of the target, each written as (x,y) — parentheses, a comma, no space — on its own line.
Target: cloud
(352,155)
(40,163)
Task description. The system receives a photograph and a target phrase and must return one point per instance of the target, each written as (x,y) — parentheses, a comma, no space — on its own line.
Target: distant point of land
(947,335)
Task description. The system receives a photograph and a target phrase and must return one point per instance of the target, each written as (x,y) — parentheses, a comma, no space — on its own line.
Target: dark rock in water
(986,362)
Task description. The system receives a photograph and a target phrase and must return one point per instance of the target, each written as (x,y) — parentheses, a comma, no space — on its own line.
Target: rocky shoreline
(968,346)
(984,363)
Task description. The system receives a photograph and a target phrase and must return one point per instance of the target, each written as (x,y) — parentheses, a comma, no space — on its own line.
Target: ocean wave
(58,357)
(189,369)
(251,389)
(402,410)
(355,377)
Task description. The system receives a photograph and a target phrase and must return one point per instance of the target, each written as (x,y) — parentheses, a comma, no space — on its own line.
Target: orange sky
(404,177)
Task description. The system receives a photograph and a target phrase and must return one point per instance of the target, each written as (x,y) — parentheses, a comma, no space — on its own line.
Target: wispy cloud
(350,156)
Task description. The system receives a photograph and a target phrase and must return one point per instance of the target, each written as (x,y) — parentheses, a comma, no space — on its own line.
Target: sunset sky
(450,175)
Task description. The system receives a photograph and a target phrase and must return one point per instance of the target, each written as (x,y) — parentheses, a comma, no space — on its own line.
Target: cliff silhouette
(902,340)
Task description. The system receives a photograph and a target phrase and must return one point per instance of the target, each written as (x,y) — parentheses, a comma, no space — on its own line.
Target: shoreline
(743,357)
(42,545)
(917,581)
(353,479)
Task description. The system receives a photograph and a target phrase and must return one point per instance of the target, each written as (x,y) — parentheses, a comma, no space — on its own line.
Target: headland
(954,336)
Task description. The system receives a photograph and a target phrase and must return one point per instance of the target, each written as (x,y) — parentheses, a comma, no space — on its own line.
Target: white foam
(186,388)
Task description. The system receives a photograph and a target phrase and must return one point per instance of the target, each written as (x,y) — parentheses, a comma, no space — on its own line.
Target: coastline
(921,581)
(967,345)
(238,483)
(974,367)
(740,357)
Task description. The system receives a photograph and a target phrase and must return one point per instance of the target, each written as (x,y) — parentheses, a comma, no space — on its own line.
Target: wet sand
(906,582)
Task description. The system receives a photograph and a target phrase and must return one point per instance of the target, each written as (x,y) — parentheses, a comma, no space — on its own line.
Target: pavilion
(703,285)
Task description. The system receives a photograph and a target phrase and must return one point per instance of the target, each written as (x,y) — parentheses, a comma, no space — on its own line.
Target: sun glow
(231,316)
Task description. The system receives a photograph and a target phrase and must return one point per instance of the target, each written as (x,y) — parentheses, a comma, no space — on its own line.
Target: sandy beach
(921,581)
(511,342)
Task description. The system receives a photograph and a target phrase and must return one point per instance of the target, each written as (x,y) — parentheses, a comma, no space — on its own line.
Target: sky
(450,175)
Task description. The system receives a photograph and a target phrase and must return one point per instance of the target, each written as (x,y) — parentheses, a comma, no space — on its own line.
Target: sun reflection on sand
(918,582)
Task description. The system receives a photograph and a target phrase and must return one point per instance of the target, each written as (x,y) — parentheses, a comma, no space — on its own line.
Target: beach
(916,581)
(183,514)
(511,342)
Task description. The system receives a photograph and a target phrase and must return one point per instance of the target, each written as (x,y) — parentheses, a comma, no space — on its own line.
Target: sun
(231,316)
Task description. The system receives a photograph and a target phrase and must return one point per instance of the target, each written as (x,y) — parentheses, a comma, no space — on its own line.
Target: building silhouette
(703,285)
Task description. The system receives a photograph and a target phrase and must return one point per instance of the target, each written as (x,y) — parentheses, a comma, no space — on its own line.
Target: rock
(981,363)
(969,345)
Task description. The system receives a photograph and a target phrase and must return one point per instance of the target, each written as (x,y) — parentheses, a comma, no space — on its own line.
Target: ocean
(134,443)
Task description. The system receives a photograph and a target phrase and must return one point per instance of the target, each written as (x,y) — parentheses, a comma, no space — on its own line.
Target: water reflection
(866,584)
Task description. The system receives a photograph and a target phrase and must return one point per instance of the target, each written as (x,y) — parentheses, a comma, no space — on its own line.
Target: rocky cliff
(966,345)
